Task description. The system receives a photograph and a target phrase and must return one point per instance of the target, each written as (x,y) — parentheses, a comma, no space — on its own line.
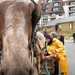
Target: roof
(62,20)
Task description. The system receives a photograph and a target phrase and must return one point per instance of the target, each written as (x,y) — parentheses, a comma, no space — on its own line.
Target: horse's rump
(16,31)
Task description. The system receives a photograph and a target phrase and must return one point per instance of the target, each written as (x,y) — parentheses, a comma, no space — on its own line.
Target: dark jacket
(74,35)
(61,38)
(45,33)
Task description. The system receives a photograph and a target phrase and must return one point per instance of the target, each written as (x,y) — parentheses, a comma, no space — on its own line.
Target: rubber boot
(62,73)
(65,73)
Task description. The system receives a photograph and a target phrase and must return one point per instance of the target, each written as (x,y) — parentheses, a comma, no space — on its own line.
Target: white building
(56,9)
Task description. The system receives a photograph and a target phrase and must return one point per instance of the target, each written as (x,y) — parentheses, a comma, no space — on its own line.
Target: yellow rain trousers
(60,54)
(63,64)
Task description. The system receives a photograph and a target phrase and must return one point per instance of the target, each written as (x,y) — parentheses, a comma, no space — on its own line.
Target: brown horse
(18,19)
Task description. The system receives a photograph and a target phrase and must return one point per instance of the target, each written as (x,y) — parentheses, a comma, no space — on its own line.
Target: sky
(35,0)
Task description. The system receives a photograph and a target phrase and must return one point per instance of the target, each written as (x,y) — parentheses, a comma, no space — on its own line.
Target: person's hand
(53,51)
(43,57)
(52,55)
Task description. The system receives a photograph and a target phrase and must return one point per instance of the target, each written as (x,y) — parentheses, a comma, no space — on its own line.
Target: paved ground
(68,40)
(70,51)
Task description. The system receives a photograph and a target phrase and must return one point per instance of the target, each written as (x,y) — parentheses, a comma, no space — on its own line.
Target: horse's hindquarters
(18,19)
(17,66)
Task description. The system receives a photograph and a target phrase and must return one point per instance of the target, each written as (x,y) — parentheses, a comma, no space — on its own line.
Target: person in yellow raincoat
(56,48)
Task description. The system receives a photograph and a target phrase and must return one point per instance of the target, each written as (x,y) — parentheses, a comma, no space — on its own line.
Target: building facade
(55,9)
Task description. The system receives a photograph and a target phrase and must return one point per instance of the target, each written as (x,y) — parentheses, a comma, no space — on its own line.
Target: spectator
(53,34)
(56,72)
(56,48)
(74,37)
(61,38)
(45,32)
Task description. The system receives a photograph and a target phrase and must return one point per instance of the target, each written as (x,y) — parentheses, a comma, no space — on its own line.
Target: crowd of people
(55,47)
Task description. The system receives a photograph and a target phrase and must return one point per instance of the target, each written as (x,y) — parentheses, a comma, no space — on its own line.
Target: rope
(45,67)
(47,72)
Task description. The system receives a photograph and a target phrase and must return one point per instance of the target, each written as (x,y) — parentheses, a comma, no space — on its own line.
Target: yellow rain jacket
(60,54)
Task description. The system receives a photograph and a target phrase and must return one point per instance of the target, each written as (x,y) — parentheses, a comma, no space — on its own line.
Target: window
(56,9)
(72,8)
(70,26)
(59,26)
(47,5)
(45,10)
(45,16)
(45,20)
(49,0)
(56,4)
(60,14)
(72,3)
(53,14)
(72,14)
(53,0)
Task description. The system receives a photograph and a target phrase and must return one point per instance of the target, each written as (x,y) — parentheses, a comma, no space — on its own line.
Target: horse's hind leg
(1,73)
